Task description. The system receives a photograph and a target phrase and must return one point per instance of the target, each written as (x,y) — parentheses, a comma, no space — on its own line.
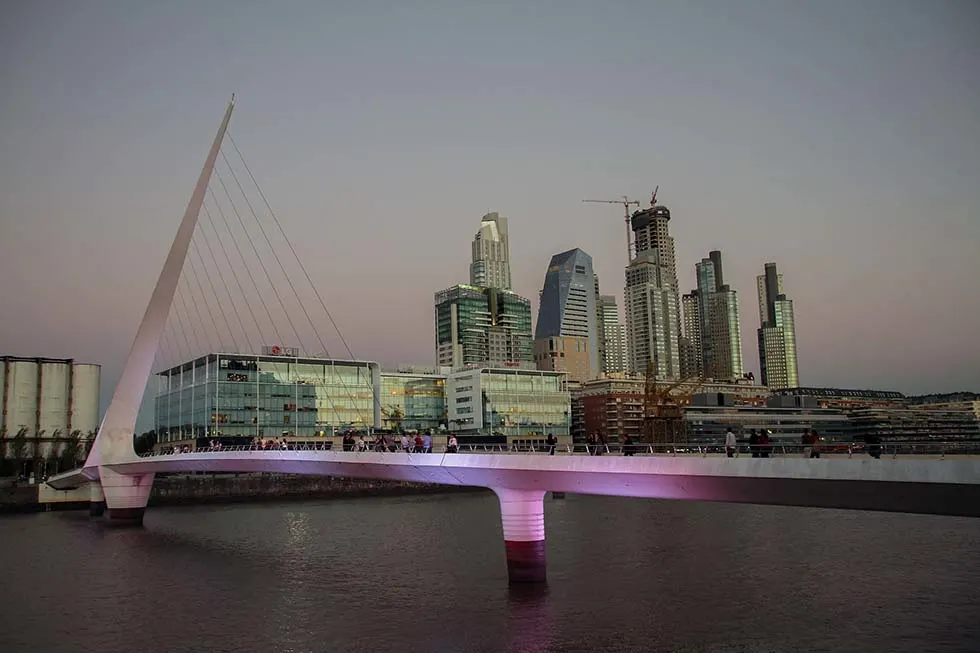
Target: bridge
(121,481)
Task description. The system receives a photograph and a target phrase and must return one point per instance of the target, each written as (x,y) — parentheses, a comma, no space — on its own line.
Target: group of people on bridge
(381,442)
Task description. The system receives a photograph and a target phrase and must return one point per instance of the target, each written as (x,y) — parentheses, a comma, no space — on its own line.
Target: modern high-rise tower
(600,334)
(482,326)
(711,324)
(566,337)
(612,333)
(692,364)
(491,254)
(777,333)
(653,316)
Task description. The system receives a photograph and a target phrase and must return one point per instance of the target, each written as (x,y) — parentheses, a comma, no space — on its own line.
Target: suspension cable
(275,218)
(214,292)
(221,212)
(265,270)
(299,261)
(285,274)
(221,276)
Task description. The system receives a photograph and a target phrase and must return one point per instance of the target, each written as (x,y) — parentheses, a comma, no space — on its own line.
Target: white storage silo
(51,396)
(85,397)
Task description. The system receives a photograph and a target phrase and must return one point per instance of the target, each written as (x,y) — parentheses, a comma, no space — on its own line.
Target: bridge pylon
(126,496)
(522,516)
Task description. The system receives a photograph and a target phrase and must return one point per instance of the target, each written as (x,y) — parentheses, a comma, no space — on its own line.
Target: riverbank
(184,490)
(226,488)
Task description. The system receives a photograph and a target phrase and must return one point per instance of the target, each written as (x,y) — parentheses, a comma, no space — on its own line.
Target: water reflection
(429,574)
(530,619)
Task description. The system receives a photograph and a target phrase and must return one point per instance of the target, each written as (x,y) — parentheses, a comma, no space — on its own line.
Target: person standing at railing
(874,445)
(551,444)
(427,443)
(419,445)
(730,443)
(754,443)
(765,444)
(453,445)
(814,444)
(628,448)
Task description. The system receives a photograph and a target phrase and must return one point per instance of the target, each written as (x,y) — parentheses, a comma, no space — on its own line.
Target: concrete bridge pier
(522,515)
(96,501)
(126,496)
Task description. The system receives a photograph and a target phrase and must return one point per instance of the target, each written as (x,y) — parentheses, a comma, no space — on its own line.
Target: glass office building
(476,326)
(412,401)
(508,403)
(234,397)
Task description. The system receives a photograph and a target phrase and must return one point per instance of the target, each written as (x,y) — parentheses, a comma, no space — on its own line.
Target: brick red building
(614,406)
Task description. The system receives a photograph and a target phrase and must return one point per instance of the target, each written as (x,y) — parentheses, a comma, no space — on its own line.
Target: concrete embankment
(176,490)
(221,488)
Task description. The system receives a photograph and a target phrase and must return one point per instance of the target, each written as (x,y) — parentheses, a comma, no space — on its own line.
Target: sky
(839,139)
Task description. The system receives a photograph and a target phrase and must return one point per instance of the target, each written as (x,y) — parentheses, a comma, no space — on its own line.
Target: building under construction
(615,406)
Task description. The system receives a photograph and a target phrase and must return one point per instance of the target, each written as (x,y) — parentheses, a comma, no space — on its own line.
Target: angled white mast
(114,441)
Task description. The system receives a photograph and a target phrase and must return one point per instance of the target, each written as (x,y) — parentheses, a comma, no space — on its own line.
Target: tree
(89,441)
(3,450)
(18,446)
(51,460)
(394,415)
(144,442)
(70,452)
(36,459)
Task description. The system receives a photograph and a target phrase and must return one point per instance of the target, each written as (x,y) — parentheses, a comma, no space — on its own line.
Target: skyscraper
(777,333)
(690,343)
(726,335)
(653,320)
(491,254)
(615,357)
(705,273)
(711,323)
(482,326)
(566,337)
(599,326)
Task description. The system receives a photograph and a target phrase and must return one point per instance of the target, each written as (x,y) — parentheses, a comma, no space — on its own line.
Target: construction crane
(663,419)
(627,203)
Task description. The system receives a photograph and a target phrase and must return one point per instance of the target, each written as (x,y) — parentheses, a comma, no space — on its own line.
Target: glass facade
(517,404)
(235,396)
(508,403)
(726,336)
(568,303)
(413,402)
(708,424)
(477,325)
(777,332)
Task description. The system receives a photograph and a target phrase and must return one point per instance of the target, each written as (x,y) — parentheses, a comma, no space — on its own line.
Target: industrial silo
(48,396)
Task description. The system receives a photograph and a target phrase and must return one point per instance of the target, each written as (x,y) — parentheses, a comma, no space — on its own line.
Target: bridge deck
(949,485)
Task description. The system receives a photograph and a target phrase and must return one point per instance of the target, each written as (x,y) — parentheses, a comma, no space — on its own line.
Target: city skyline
(820,160)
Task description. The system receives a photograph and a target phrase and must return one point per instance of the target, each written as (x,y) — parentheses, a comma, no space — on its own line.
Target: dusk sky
(840,139)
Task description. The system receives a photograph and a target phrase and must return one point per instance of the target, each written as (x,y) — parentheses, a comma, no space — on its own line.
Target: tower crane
(663,416)
(627,203)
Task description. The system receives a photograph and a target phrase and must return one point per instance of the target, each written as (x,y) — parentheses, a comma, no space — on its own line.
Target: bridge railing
(892,449)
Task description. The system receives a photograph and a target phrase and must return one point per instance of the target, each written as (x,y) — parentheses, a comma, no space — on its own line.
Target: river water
(427,573)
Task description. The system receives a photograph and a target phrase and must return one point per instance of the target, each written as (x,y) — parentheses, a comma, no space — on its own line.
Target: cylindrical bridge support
(126,496)
(522,515)
(96,500)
